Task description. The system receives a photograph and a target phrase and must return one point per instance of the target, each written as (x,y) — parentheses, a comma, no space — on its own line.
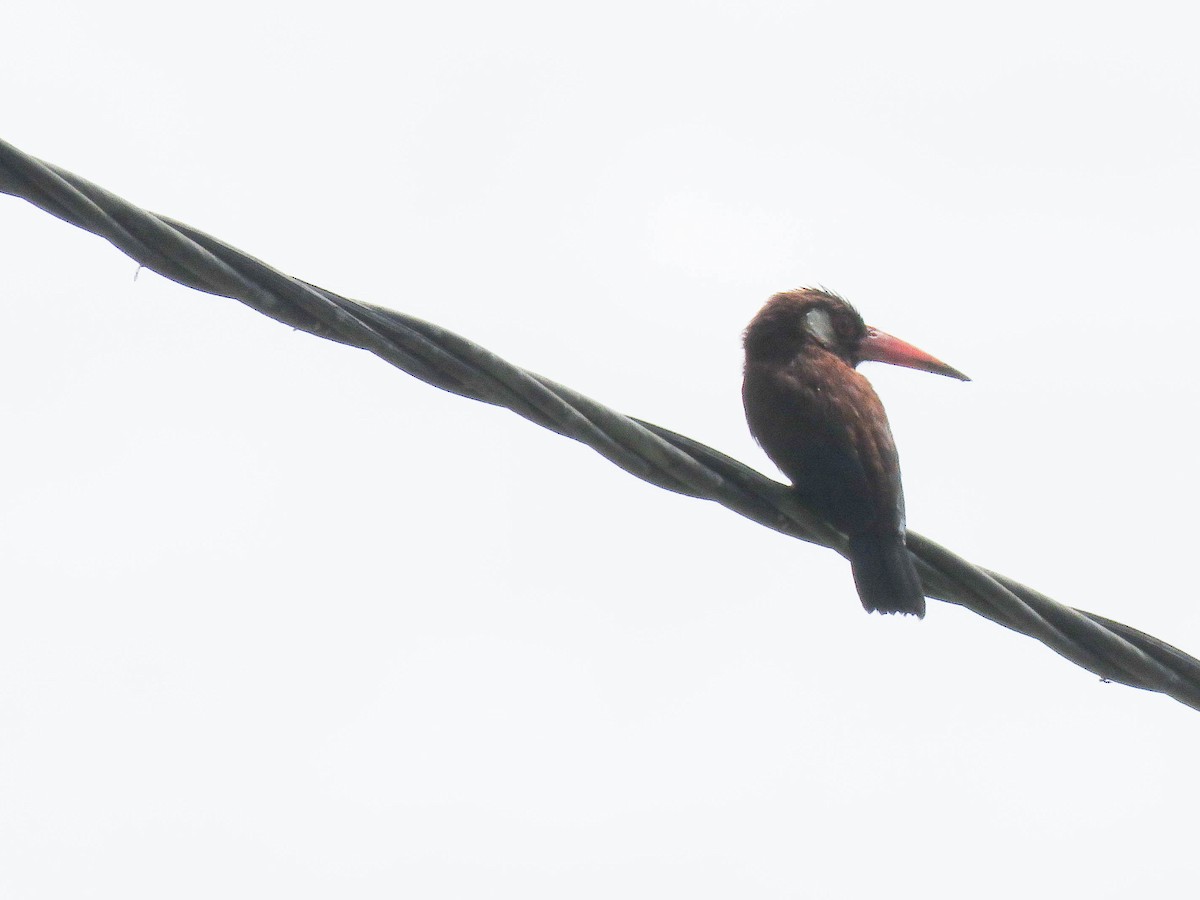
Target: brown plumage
(822,424)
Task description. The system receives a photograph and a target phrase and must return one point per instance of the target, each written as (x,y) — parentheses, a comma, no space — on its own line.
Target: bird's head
(809,318)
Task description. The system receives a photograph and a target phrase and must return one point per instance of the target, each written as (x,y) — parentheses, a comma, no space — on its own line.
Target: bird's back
(823,425)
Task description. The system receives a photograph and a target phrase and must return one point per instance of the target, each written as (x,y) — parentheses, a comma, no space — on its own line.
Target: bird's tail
(884,574)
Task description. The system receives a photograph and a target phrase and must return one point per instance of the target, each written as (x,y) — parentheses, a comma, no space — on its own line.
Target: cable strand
(661,457)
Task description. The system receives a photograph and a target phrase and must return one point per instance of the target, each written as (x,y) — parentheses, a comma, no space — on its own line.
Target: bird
(824,427)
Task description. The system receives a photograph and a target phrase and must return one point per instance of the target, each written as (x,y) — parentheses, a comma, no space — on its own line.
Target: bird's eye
(819,324)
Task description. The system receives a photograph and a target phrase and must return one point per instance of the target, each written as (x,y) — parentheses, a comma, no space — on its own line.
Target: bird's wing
(826,429)
(872,443)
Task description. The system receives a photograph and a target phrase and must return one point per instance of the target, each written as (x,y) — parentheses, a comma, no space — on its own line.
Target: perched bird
(822,424)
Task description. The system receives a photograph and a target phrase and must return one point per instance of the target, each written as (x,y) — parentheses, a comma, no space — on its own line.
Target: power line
(671,461)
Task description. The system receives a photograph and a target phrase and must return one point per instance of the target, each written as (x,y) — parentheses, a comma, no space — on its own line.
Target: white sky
(276,620)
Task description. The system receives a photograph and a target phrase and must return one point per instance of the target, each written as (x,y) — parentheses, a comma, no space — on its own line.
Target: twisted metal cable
(671,461)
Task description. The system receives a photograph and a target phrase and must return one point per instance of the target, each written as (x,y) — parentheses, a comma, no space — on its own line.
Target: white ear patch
(820,326)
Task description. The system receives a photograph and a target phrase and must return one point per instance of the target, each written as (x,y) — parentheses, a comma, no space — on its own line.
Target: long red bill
(882,347)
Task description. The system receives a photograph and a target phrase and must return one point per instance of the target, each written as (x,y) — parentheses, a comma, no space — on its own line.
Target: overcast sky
(278,620)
